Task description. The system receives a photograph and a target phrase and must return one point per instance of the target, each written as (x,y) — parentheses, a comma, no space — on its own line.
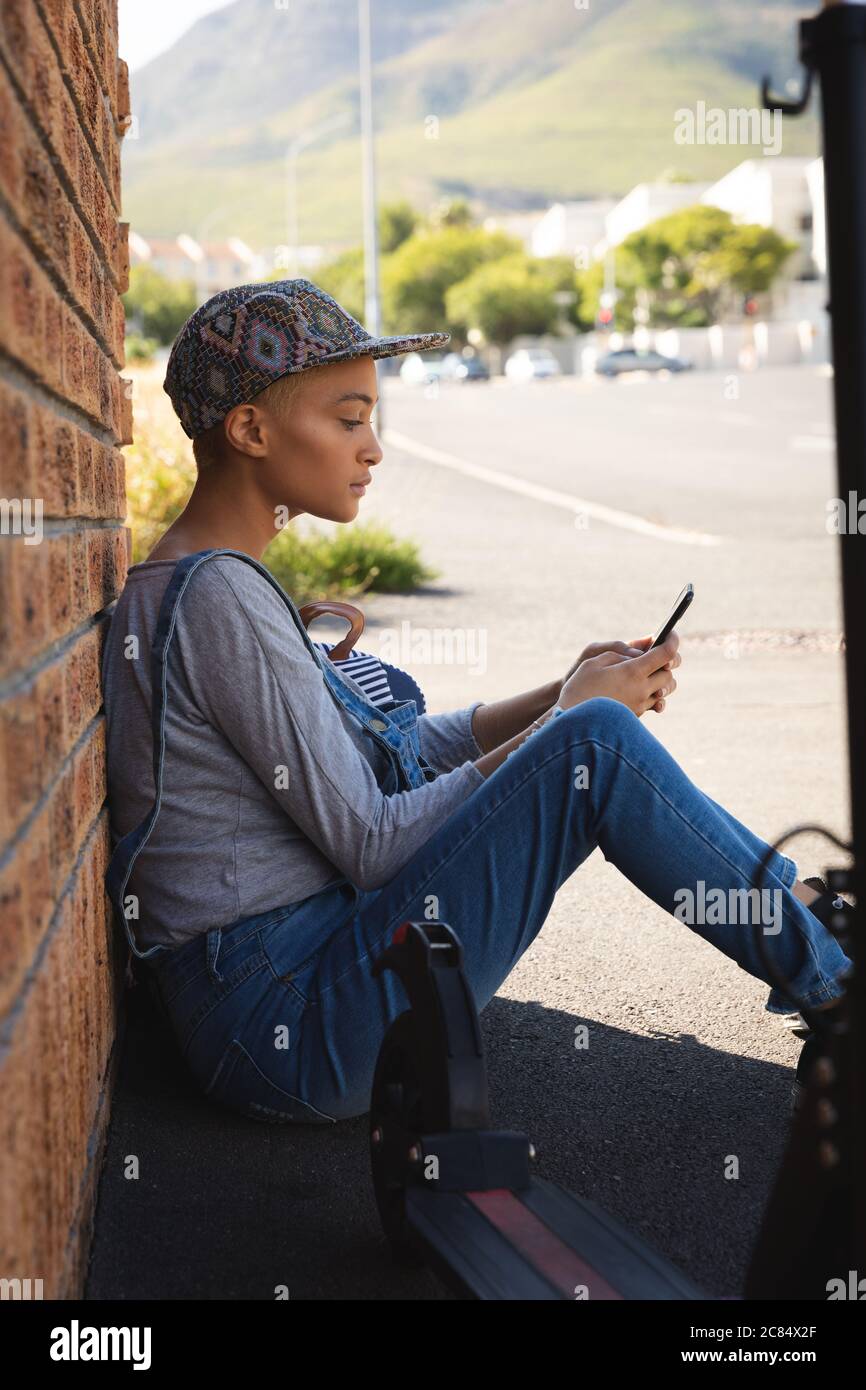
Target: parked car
(639,360)
(456,367)
(421,368)
(527,364)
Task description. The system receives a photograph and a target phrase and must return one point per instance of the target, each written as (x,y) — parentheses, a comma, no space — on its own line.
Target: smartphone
(670,623)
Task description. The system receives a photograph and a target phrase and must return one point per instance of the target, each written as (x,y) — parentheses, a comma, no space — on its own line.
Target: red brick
(79,578)
(27,598)
(73,365)
(16,22)
(122,101)
(120,560)
(122,267)
(59,469)
(63,811)
(20,732)
(59,600)
(89,674)
(16,429)
(118,332)
(13,918)
(5,818)
(51,714)
(7,634)
(27,293)
(126,432)
(90,354)
(11,143)
(51,360)
(39,195)
(40,899)
(85,794)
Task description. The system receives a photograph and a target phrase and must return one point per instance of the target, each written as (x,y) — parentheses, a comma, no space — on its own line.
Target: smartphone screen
(679,609)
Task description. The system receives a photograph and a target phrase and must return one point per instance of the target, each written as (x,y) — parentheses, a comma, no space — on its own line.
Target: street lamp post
(372,319)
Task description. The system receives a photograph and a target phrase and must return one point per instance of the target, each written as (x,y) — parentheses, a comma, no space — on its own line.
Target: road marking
(726,417)
(822,442)
(626,521)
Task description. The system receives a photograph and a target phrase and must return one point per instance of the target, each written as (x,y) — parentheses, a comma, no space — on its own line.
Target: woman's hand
(641,682)
(597,648)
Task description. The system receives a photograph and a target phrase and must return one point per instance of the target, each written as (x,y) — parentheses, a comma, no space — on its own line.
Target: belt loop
(214,939)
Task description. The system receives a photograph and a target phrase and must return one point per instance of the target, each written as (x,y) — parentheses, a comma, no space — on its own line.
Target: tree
(418,275)
(511,295)
(689,268)
(397,222)
(452,212)
(160,307)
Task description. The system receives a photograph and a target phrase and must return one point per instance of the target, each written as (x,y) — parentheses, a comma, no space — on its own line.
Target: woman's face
(325,446)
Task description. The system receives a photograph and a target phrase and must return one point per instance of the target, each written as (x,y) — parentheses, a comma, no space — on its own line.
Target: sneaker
(796,1024)
(821,908)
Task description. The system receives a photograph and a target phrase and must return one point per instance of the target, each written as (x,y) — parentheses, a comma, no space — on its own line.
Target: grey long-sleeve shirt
(235,835)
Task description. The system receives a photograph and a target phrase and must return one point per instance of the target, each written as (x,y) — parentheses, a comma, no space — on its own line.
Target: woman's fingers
(658,697)
(668,688)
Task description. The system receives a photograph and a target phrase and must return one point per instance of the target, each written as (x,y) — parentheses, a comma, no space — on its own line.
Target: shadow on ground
(227,1208)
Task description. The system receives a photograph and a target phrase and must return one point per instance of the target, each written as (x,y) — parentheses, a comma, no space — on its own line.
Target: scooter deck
(537,1244)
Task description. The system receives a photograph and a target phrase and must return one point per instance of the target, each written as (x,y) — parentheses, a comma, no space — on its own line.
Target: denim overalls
(393,726)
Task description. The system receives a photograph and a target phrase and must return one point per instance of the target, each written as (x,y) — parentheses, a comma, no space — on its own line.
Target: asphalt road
(684,1067)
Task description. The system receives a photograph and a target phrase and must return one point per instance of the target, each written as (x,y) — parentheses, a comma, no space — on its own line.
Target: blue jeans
(279,1017)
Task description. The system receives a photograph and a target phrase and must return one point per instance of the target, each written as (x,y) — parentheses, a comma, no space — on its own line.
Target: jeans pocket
(292,948)
(207,1009)
(240,1084)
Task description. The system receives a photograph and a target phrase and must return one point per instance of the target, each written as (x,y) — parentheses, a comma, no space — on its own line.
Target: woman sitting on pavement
(280,825)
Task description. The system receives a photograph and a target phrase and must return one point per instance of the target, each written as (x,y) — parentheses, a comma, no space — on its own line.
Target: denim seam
(286,980)
(589,738)
(213,999)
(241,1052)
(226,951)
(709,843)
(437,869)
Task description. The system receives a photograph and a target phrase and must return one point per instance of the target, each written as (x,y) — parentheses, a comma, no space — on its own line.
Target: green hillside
(529,101)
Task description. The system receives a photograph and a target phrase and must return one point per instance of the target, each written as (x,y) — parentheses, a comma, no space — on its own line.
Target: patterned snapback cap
(242,339)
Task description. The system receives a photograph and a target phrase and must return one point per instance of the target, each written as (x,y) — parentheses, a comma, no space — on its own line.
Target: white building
(519,224)
(774,192)
(211,265)
(787,194)
(572,229)
(645,203)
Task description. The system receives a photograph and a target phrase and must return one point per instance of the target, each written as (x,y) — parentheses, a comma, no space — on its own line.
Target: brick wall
(64,104)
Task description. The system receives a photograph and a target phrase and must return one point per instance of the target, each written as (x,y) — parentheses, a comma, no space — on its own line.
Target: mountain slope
(532,101)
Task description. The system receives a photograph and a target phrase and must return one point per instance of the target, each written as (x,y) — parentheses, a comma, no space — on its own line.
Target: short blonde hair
(208,446)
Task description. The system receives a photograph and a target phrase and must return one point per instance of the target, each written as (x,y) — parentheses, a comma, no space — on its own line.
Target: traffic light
(605,317)
(750,305)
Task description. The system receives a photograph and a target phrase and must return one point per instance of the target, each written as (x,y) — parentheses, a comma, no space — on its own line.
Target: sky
(148,27)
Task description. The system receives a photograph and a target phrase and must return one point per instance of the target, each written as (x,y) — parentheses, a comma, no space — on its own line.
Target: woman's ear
(246,430)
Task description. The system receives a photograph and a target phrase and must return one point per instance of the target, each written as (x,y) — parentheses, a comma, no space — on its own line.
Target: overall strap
(130,846)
